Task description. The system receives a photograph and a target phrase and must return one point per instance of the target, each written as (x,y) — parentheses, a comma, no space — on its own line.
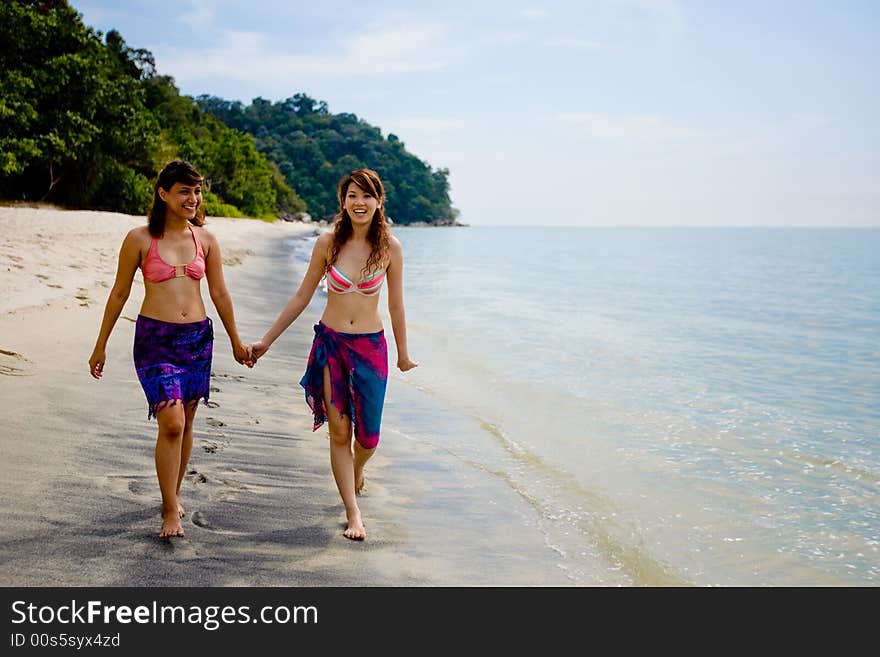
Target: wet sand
(80,497)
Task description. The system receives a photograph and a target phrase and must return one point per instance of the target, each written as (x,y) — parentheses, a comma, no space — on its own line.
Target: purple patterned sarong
(358,365)
(173,361)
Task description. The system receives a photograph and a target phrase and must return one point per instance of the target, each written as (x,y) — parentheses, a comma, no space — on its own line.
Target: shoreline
(262,509)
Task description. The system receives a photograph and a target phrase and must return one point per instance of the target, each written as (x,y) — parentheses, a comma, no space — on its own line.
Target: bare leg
(361,456)
(186,449)
(171,420)
(342,464)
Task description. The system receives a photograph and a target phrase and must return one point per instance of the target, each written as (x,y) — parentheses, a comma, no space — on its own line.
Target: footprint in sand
(141,486)
(235,377)
(196,477)
(13,363)
(215,423)
(180,546)
(201,520)
(212,446)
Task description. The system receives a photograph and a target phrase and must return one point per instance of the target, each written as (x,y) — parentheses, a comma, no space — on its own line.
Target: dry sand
(80,501)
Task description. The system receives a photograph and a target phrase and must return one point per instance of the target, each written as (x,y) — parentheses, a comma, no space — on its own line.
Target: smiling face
(182,200)
(360,205)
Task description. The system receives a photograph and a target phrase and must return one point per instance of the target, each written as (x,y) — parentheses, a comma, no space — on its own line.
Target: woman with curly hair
(347,369)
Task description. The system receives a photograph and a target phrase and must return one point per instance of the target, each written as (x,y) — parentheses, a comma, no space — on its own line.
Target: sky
(581,112)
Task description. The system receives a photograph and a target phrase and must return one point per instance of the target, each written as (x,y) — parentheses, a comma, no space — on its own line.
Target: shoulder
(205,236)
(323,244)
(139,236)
(321,249)
(325,240)
(139,232)
(202,232)
(135,245)
(395,253)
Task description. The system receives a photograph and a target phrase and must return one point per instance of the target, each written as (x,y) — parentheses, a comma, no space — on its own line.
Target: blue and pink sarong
(173,361)
(358,364)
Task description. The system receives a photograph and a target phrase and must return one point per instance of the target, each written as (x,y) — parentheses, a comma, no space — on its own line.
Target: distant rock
(304,217)
(437,222)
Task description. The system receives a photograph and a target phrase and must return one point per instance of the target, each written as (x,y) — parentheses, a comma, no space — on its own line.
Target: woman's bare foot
(355,530)
(171,525)
(359,481)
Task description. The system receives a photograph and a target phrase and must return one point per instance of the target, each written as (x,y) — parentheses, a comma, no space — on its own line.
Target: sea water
(676,406)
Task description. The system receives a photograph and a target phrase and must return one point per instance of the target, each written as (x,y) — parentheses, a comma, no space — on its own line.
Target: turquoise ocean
(675,405)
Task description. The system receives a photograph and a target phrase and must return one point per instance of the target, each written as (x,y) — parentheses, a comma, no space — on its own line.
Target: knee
(365,450)
(340,436)
(172,427)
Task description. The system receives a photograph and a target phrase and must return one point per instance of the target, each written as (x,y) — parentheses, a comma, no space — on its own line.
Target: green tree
(87,121)
(314,148)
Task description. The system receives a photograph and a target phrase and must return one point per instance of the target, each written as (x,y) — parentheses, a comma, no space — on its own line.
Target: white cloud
(669,15)
(257,60)
(534,13)
(200,13)
(811,121)
(96,14)
(427,124)
(574,43)
(605,127)
(501,37)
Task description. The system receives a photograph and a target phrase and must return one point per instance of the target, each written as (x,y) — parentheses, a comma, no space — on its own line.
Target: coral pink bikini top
(157,270)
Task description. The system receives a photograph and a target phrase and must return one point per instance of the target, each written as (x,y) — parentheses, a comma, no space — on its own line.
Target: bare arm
(300,299)
(129,259)
(221,297)
(395,306)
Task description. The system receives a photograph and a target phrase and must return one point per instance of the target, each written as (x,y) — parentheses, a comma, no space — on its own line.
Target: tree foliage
(71,117)
(87,121)
(314,148)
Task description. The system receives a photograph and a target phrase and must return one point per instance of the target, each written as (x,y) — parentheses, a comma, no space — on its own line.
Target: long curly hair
(378,235)
(177,171)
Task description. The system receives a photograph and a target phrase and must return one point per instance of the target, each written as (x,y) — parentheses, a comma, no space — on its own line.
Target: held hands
(404,364)
(242,353)
(258,348)
(250,353)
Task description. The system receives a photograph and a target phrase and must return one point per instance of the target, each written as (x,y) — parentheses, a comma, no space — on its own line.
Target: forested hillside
(86,121)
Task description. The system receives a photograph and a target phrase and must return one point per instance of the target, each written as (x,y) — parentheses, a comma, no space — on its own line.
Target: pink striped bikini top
(368,286)
(157,270)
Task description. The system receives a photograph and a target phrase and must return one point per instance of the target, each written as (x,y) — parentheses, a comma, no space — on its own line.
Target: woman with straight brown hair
(174,337)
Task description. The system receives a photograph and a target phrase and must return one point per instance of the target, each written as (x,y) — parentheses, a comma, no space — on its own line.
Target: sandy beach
(80,497)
